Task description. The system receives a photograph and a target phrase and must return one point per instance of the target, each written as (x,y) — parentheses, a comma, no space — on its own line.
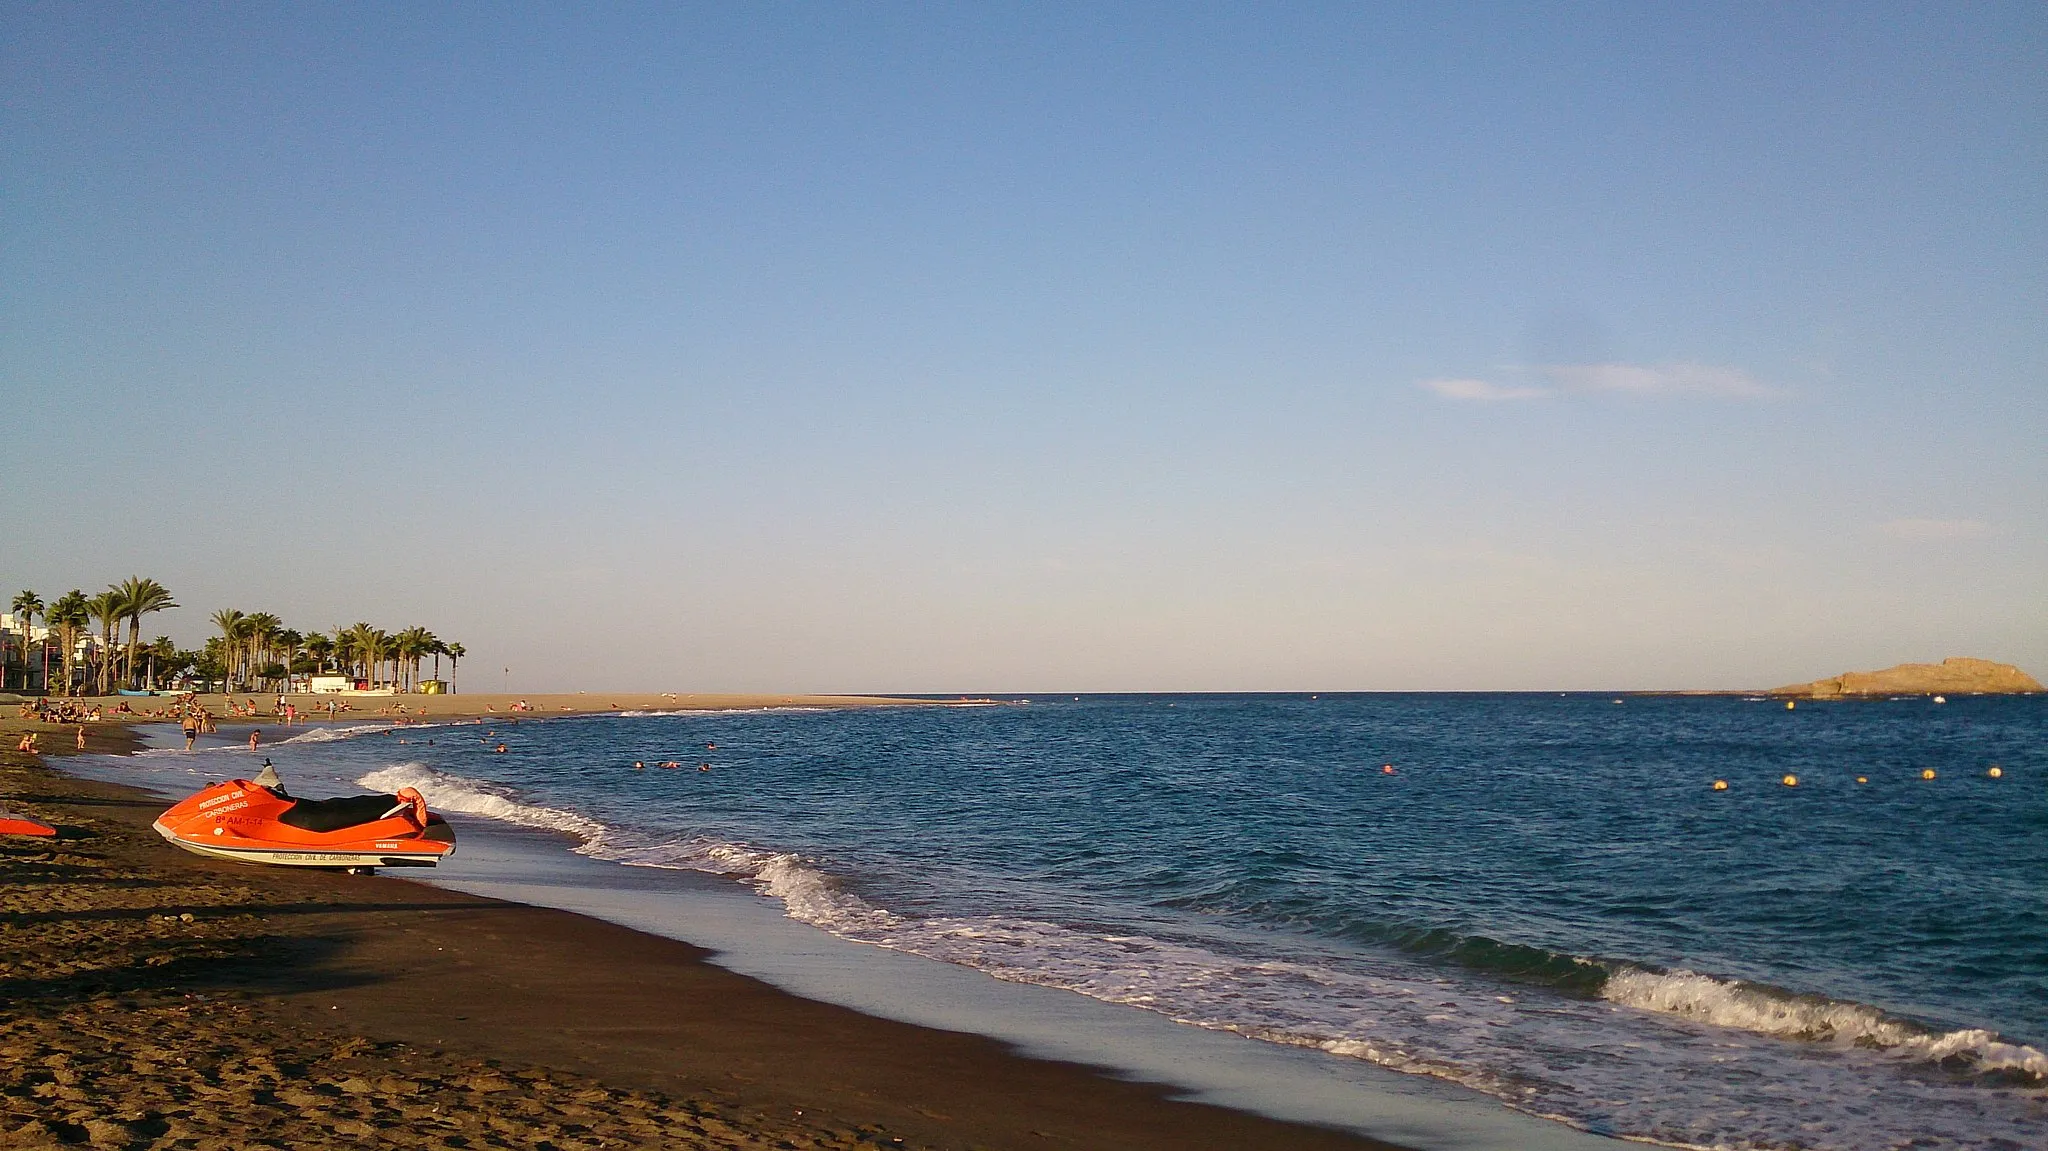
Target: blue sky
(1039,347)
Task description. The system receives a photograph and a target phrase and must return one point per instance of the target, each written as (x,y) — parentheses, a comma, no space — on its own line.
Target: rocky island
(1957,675)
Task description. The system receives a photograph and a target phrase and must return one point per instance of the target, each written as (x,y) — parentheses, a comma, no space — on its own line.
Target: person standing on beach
(81,737)
(254,738)
(191,726)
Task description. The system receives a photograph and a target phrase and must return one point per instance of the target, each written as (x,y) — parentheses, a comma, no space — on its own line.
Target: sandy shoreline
(144,708)
(308,1009)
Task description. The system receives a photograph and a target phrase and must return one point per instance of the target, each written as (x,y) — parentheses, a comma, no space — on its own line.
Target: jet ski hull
(297,857)
(14,823)
(248,823)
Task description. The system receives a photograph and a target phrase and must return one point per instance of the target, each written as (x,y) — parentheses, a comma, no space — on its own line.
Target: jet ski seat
(335,814)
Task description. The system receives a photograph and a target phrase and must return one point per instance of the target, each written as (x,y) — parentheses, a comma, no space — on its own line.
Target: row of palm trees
(254,651)
(71,618)
(258,650)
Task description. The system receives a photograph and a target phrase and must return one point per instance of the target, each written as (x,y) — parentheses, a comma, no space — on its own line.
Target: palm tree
(231,623)
(68,615)
(318,647)
(455,653)
(141,597)
(214,658)
(160,649)
(355,643)
(411,645)
(289,643)
(110,609)
(26,605)
(262,635)
(426,643)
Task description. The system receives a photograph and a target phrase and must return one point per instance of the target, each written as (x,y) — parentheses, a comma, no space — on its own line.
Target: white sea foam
(453,793)
(693,712)
(1745,1007)
(330,734)
(160,753)
(1732,1004)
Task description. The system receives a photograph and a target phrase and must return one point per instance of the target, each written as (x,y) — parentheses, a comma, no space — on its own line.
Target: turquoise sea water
(1545,900)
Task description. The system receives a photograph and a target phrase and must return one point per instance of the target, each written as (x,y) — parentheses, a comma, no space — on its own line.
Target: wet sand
(157,999)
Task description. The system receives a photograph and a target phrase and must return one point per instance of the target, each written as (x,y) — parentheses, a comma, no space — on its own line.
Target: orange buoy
(1928,773)
(1790,781)
(1720,785)
(1995,772)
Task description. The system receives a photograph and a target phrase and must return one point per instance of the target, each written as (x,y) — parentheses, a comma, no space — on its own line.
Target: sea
(1696,921)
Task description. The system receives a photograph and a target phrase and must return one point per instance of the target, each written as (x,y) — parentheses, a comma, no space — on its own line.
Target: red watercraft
(15,823)
(255,821)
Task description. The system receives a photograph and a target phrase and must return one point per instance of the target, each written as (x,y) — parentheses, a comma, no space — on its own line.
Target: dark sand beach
(156,999)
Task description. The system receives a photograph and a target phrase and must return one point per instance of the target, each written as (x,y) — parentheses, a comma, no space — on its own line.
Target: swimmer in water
(1386,769)
(500,749)
(703,767)
(638,766)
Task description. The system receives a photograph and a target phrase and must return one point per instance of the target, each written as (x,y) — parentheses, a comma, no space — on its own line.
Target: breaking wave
(703,712)
(453,793)
(330,734)
(1763,1010)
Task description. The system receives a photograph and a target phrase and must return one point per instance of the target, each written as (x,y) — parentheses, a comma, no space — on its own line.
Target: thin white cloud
(1652,380)
(1919,529)
(1677,379)
(1484,392)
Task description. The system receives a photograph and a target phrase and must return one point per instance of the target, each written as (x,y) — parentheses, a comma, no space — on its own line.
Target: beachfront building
(344,685)
(21,643)
(32,657)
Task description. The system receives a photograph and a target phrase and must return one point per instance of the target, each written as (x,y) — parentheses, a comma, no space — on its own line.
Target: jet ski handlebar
(409,798)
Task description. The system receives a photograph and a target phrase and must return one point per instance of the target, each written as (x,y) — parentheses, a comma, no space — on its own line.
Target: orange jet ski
(256,821)
(15,823)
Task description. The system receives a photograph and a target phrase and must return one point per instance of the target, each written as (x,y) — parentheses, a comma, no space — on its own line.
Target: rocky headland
(1957,675)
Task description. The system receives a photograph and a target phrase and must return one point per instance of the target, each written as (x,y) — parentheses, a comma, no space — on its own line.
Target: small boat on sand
(257,821)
